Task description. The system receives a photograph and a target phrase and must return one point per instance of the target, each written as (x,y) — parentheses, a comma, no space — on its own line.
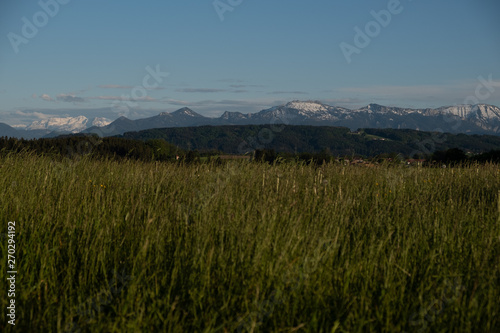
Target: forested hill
(339,141)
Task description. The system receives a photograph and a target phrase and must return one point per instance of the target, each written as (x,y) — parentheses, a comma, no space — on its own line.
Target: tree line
(76,146)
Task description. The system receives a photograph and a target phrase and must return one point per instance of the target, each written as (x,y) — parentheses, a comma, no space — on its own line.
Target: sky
(138,58)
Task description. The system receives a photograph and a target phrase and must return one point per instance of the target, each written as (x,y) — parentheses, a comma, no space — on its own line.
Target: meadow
(129,246)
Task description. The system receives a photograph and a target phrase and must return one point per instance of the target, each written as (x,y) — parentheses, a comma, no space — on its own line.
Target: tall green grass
(106,246)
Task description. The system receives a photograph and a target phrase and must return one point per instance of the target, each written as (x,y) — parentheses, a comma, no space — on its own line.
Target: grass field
(150,247)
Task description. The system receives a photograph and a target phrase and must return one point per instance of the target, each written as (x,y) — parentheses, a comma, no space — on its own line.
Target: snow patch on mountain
(186,112)
(189,112)
(461,111)
(311,110)
(307,107)
(485,112)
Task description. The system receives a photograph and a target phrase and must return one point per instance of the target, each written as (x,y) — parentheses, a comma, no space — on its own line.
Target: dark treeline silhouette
(76,146)
(457,156)
(340,141)
(450,157)
(91,145)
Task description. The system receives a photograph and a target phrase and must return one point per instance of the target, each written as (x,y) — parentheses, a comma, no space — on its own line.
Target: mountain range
(470,119)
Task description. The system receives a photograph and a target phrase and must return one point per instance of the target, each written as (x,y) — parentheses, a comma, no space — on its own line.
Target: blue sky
(92,57)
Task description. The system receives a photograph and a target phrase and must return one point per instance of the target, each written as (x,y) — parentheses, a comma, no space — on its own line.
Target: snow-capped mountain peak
(462,111)
(185,112)
(307,106)
(100,121)
(487,111)
(67,124)
(478,111)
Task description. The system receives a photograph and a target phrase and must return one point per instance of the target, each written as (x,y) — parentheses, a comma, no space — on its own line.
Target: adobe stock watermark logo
(29,30)
(264,137)
(223,6)
(150,81)
(428,313)
(372,29)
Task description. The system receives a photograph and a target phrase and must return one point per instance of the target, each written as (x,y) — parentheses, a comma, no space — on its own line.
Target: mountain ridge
(469,119)
(472,119)
(67,124)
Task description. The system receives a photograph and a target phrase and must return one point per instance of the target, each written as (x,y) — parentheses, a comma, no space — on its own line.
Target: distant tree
(265,155)
(324,156)
(450,156)
(161,149)
(492,156)
(306,157)
(192,156)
